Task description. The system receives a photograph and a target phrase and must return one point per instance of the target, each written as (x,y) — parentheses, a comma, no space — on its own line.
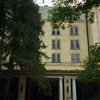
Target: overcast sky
(46,2)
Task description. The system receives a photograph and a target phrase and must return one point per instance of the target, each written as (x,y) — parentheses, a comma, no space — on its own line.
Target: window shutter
(76,30)
(71,30)
(53,58)
(58,58)
(72,44)
(58,44)
(77,44)
(53,44)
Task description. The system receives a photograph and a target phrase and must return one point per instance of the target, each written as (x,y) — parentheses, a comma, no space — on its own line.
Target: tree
(70,11)
(20,44)
(91,66)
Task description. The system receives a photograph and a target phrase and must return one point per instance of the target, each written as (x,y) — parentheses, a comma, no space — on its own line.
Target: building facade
(94,28)
(66,49)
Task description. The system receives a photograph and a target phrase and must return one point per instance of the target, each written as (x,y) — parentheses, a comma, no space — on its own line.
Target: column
(74,89)
(60,88)
(21,88)
(67,88)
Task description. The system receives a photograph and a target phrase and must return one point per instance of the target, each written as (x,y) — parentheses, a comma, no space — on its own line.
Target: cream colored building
(94,28)
(66,49)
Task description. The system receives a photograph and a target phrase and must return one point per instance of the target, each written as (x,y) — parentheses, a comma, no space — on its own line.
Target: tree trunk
(8,78)
(87,33)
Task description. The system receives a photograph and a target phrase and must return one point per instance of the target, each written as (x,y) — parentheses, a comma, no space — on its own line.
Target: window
(55,58)
(55,44)
(75,58)
(56,31)
(74,44)
(73,30)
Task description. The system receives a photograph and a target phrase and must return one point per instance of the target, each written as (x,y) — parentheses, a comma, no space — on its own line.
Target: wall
(94,28)
(65,50)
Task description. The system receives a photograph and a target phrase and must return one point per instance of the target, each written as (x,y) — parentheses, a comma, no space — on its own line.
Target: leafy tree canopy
(20,44)
(91,72)
(70,10)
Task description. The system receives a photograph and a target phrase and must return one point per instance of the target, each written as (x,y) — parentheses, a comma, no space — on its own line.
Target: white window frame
(56,58)
(75,44)
(55,44)
(73,28)
(56,30)
(76,58)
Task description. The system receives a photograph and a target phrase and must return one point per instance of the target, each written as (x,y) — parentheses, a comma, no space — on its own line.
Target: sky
(46,2)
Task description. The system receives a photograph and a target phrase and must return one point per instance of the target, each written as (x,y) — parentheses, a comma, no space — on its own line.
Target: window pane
(53,58)
(58,44)
(76,30)
(78,58)
(53,31)
(75,58)
(72,58)
(72,44)
(58,58)
(77,44)
(71,30)
(58,31)
(53,44)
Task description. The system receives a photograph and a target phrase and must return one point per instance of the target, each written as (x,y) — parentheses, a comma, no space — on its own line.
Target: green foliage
(91,66)
(70,11)
(59,15)
(20,31)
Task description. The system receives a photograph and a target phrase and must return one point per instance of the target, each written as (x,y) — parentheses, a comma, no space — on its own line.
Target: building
(67,50)
(94,28)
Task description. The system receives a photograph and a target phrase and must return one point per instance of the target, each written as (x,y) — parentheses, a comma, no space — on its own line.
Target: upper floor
(66,48)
